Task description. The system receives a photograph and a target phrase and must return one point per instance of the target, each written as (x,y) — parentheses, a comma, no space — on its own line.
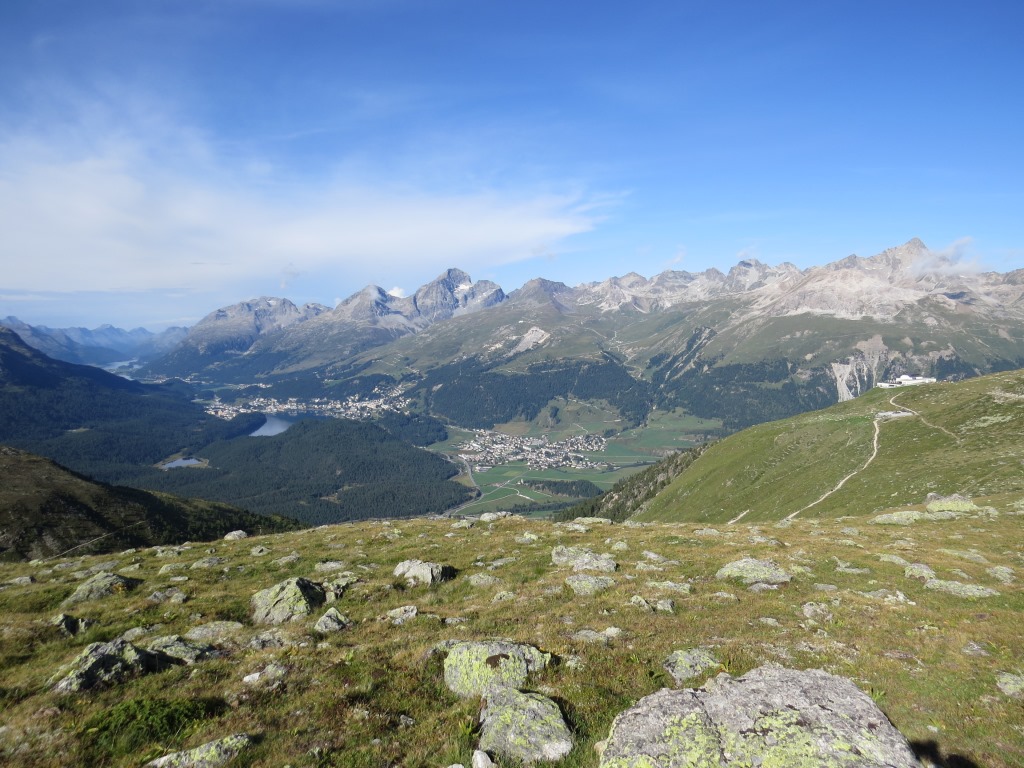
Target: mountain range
(100,346)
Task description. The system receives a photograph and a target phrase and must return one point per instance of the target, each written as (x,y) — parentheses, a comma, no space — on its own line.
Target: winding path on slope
(879,417)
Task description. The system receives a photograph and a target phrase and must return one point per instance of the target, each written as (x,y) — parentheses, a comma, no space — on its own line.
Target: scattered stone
(817,611)
(335,586)
(474,668)
(171,595)
(259,551)
(893,597)
(235,536)
(527,538)
(417,572)
(724,597)
(591,637)
(665,606)
(974,649)
(620,546)
(464,523)
(582,559)
(707,532)
(269,640)
(286,560)
(103,584)
(903,517)
(826,588)
(751,572)
(270,677)
(135,633)
(769,621)
(170,568)
(770,716)
(493,517)
(1001,573)
(179,648)
(214,631)
(207,562)
(22,581)
(332,621)
(638,602)
(399,616)
(954,503)
(71,625)
(105,664)
(483,580)
(918,571)
(585,585)
(523,727)
(1010,684)
(894,559)
(481,760)
(844,567)
(213,754)
(503,596)
(325,566)
(960,589)
(686,665)
(290,600)
(973,556)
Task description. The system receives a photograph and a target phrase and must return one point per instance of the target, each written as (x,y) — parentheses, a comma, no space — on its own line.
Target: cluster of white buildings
(351,408)
(487,449)
(906,381)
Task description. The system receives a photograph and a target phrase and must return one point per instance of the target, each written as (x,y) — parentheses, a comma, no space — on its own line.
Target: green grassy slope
(966,437)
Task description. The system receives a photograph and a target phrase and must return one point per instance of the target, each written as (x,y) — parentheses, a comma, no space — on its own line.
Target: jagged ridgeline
(888,447)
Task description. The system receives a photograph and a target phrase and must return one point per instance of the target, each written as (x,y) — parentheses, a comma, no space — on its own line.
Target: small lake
(274,425)
(181,463)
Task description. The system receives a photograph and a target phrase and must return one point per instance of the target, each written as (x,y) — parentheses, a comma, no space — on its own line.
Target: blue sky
(160,159)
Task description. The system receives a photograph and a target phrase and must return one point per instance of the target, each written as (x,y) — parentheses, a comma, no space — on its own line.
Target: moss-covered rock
(771,717)
(475,668)
(523,727)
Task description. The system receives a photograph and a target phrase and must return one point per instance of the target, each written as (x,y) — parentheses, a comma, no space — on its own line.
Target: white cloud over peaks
(123,215)
(955,259)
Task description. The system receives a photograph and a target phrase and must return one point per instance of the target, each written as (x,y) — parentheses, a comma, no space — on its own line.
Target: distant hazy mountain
(270,335)
(99,346)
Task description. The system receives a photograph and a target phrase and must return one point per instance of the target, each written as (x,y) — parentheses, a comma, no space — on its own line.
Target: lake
(274,425)
(180,463)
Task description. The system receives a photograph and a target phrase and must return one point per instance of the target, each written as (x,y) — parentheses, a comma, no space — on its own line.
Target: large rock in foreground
(290,600)
(213,754)
(523,727)
(769,717)
(104,664)
(474,668)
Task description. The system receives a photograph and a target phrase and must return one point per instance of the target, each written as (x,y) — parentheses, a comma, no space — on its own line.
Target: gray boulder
(105,664)
(235,535)
(752,572)
(523,727)
(213,754)
(418,572)
(71,625)
(474,668)
(332,621)
(103,584)
(687,665)
(582,559)
(184,650)
(770,716)
(401,615)
(585,585)
(290,600)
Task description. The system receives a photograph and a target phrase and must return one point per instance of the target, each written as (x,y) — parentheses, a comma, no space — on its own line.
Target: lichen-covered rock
(523,727)
(955,503)
(582,559)
(398,616)
(751,572)
(816,611)
(483,580)
(332,621)
(474,668)
(214,631)
(1010,684)
(169,595)
(687,665)
(769,717)
(670,586)
(290,600)
(235,535)
(585,585)
(184,650)
(213,754)
(918,571)
(1002,573)
(417,572)
(207,562)
(71,625)
(103,584)
(106,664)
(960,589)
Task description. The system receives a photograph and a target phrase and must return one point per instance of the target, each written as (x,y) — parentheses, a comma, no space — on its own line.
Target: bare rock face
(770,716)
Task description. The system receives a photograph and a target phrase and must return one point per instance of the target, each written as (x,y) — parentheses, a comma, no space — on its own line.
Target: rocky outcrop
(290,600)
(770,716)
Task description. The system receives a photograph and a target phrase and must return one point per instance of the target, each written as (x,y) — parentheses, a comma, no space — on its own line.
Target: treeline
(628,495)
(320,471)
(575,489)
